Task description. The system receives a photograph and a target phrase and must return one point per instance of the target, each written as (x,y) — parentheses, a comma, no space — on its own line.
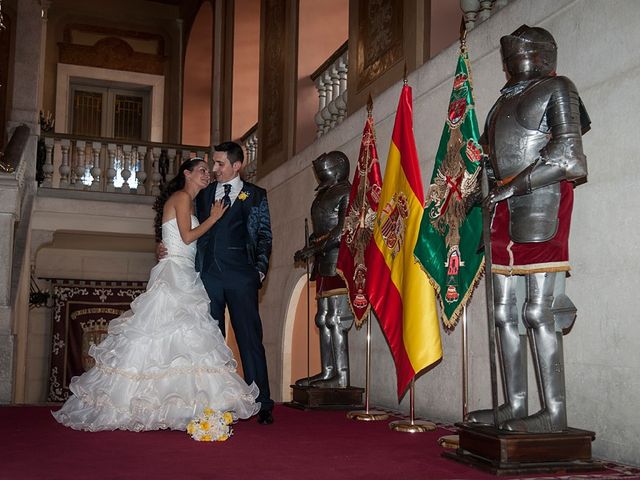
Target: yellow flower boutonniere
(211,426)
(243,195)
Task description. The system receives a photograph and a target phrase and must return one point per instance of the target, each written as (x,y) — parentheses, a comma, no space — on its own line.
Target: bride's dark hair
(169,188)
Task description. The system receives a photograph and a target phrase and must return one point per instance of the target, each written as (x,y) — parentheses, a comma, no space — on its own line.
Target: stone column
(9,211)
(28,63)
(278,83)
(222,71)
(25,108)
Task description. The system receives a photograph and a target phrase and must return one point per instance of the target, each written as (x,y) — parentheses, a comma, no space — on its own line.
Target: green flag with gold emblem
(450,232)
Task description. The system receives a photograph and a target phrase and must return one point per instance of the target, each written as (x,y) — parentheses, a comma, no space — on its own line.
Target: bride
(165,360)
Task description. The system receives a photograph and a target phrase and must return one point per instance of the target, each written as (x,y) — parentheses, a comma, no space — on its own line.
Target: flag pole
(487,214)
(306,244)
(413,425)
(465,345)
(367,415)
(453,441)
(465,365)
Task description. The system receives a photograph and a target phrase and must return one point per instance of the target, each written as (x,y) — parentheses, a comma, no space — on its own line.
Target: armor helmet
(331,168)
(529,52)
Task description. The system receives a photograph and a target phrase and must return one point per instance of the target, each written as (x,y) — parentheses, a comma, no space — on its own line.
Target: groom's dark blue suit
(230,258)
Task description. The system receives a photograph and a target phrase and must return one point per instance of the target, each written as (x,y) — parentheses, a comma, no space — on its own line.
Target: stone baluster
(470,12)
(141,174)
(96,171)
(322,103)
(65,169)
(135,165)
(335,92)
(341,100)
(154,154)
(252,167)
(47,168)
(111,170)
(485,10)
(251,148)
(171,152)
(126,169)
(80,168)
(88,165)
(326,114)
(497,4)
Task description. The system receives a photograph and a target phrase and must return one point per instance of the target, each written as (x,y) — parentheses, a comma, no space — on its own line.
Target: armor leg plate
(339,320)
(547,352)
(512,349)
(326,351)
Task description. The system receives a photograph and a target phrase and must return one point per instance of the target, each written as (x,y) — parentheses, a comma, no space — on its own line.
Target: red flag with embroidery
(358,224)
(399,290)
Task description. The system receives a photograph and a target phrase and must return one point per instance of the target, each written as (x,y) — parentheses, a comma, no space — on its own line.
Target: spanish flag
(400,292)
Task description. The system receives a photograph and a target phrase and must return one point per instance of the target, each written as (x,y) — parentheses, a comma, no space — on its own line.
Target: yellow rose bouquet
(211,426)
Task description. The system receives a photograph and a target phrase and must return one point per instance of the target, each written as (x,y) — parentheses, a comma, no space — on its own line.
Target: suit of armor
(533,136)
(334,317)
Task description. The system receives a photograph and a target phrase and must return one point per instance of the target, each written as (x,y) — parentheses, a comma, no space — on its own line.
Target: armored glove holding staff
(533,137)
(334,317)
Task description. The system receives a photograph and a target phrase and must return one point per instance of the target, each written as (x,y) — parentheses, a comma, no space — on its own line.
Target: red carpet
(299,445)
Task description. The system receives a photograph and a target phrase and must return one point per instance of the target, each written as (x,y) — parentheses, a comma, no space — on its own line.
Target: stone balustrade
(106,165)
(477,11)
(331,82)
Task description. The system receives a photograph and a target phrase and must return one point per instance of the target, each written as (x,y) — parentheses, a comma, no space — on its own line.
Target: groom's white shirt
(236,187)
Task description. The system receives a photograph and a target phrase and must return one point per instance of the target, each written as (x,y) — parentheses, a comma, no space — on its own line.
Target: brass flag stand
(412,425)
(367,415)
(453,441)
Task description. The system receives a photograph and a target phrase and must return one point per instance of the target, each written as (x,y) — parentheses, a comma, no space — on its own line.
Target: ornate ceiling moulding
(115,49)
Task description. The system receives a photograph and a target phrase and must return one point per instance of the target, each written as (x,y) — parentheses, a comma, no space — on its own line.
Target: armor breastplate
(517,133)
(325,217)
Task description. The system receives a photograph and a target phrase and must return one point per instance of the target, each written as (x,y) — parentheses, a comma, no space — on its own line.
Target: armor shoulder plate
(530,112)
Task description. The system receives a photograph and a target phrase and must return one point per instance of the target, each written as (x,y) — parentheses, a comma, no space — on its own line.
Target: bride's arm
(183,218)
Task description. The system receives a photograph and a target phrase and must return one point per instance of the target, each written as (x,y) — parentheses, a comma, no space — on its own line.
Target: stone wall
(598,47)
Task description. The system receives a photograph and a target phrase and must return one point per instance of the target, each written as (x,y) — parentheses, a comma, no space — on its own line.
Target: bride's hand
(217,210)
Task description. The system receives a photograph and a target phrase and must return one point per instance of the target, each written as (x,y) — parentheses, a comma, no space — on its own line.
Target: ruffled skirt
(161,364)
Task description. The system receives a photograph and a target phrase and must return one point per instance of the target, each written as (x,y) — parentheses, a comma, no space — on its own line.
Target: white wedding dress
(164,360)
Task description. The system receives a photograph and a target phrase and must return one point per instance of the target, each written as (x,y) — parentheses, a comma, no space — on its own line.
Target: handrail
(15,148)
(69,136)
(248,133)
(329,61)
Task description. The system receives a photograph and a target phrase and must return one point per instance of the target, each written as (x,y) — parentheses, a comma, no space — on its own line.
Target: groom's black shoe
(265,417)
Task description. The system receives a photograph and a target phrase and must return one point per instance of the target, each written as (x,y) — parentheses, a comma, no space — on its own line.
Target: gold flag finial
(463,33)
(369,104)
(404,75)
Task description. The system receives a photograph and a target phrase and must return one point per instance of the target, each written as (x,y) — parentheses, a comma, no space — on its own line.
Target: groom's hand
(161,251)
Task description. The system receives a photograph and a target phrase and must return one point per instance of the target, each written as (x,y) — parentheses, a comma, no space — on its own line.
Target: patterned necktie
(226,199)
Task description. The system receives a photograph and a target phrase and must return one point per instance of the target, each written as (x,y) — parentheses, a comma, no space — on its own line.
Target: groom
(233,258)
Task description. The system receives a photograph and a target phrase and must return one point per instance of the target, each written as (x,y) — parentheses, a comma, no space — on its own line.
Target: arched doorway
(301,342)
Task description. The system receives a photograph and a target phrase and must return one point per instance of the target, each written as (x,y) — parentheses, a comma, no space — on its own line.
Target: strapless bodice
(173,242)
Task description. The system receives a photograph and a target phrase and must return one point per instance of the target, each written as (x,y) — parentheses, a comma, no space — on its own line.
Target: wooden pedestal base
(346,398)
(506,453)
